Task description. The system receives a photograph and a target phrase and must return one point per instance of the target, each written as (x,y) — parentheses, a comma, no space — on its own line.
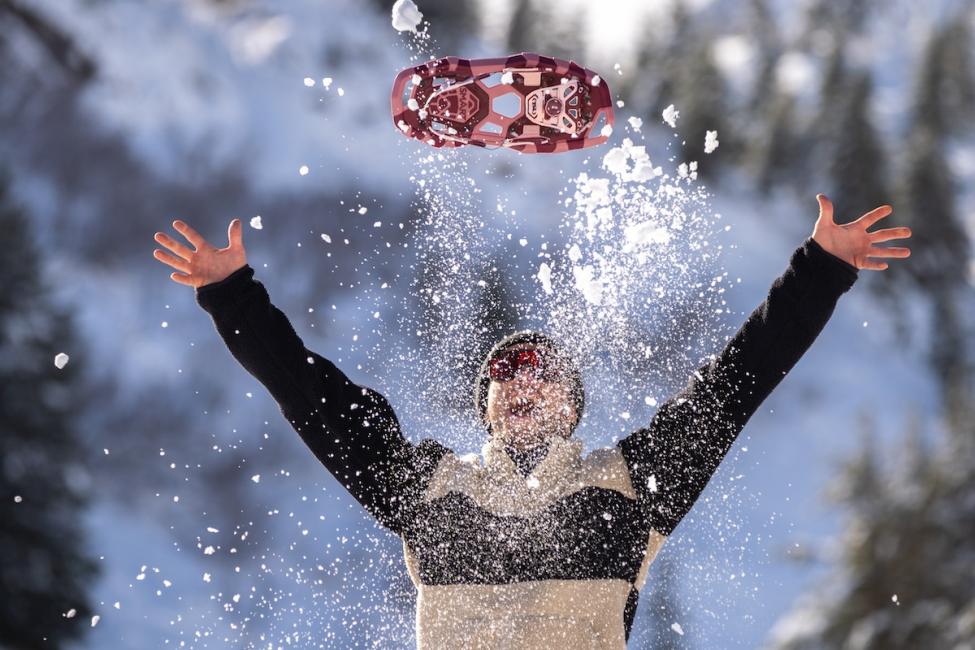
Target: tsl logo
(531,109)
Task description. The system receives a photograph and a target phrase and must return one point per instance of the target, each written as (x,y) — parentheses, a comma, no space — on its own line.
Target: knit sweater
(557,558)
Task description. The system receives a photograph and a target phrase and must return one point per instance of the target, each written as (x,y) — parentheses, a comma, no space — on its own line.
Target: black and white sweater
(556,559)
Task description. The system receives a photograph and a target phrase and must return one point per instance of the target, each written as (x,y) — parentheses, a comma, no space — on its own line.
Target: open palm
(852,243)
(204,263)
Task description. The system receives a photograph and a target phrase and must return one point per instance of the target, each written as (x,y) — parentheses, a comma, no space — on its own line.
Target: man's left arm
(672,460)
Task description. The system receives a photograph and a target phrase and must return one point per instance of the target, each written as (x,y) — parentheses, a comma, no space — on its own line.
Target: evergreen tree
(701,100)
(856,165)
(834,19)
(45,571)
(763,31)
(945,90)
(451,21)
(670,62)
(772,157)
(904,580)
(59,44)
(564,37)
(523,27)
(824,135)
(940,244)
(928,207)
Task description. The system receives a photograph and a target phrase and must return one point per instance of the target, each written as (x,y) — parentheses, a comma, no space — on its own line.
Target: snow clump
(710,141)
(670,116)
(406,16)
(545,277)
(61,360)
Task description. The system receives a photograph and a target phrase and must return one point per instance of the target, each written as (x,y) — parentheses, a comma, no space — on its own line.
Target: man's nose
(525,377)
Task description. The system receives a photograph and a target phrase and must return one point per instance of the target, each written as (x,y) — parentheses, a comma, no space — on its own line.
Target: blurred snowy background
(151,494)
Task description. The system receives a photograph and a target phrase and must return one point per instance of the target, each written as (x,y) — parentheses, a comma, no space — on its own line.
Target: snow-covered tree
(904,576)
(45,570)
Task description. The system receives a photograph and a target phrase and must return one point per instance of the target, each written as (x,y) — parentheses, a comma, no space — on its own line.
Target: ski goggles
(541,363)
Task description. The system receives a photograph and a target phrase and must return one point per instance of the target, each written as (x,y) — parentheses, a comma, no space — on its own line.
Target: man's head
(529,391)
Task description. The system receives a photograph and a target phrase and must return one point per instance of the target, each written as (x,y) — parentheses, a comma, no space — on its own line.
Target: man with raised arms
(533,545)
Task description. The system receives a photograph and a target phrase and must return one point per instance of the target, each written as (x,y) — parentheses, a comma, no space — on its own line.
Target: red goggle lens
(506,365)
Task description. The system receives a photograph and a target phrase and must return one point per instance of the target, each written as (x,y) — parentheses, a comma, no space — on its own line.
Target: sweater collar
(563,454)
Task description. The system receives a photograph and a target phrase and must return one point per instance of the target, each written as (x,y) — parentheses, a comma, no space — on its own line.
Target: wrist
(818,250)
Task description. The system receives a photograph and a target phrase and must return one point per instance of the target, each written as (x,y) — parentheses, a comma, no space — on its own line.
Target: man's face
(527,410)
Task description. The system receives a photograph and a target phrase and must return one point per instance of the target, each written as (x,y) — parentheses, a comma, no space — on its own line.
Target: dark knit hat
(538,339)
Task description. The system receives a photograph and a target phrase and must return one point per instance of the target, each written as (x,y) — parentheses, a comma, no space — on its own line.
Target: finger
(893,251)
(182,279)
(177,263)
(235,234)
(191,235)
(873,265)
(887,234)
(874,216)
(173,245)
(825,208)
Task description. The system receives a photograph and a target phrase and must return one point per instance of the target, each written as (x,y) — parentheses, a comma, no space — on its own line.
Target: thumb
(825,208)
(235,234)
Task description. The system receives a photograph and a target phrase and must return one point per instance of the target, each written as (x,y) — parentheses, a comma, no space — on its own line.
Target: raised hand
(204,264)
(852,243)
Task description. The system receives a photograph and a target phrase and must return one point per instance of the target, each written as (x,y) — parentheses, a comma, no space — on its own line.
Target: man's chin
(524,435)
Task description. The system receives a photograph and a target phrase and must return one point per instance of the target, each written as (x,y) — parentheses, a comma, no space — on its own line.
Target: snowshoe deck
(526,102)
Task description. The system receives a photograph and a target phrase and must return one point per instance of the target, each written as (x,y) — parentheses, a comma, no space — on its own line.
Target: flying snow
(61,360)
(406,16)
(710,141)
(670,116)
(256,223)
(545,277)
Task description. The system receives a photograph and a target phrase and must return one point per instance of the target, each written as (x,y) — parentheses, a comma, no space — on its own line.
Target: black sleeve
(672,460)
(351,429)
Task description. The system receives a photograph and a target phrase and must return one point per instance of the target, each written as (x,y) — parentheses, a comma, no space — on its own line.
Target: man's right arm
(352,430)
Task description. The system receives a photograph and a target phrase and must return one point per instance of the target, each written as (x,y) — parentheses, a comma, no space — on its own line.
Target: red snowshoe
(526,102)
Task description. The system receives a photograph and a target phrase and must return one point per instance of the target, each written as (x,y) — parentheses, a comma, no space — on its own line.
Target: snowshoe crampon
(526,102)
